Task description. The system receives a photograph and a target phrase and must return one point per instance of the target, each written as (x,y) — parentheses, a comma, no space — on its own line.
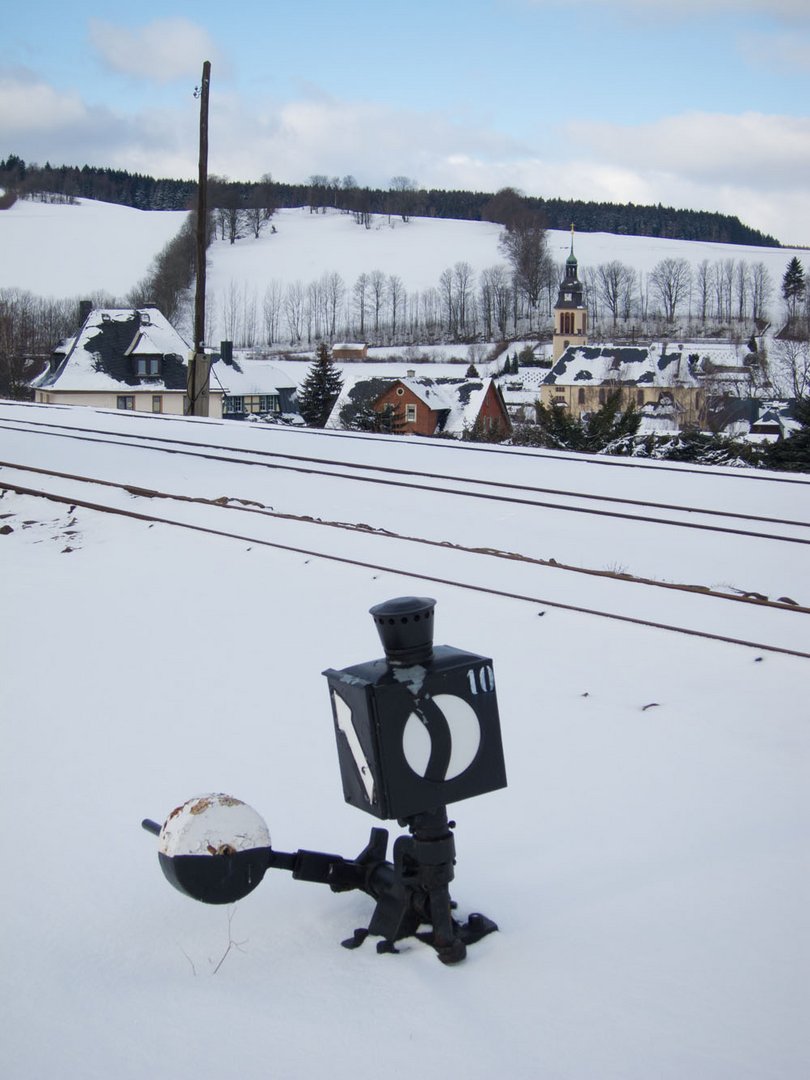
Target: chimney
(85,307)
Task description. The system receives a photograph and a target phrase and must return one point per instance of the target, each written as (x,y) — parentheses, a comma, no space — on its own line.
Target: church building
(570,313)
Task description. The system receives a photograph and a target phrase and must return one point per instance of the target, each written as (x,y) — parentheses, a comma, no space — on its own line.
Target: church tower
(570,313)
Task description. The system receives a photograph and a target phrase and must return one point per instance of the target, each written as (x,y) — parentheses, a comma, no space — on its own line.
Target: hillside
(148,193)
(646,863)
(65,251)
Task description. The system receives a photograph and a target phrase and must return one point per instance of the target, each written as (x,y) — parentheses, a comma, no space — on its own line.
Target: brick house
(424,406)
(350,351)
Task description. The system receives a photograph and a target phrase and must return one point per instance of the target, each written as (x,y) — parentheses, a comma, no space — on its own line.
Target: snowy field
(64,251)
(647,864)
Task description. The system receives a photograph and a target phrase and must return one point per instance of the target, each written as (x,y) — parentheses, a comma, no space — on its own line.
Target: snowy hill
(73,250)
(61,251)
(646,863)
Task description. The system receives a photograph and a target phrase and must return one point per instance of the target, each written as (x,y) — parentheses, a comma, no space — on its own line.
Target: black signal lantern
(415,731)
(419,729)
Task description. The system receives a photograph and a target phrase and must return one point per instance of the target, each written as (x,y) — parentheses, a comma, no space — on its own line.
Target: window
(157,403)
(639,397)
(147,365)
(231,405)
(581,395)
(269,403)
(410,414)
(125,401)
(602,397)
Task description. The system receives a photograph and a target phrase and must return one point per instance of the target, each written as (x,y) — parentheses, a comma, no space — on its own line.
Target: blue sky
(622,100)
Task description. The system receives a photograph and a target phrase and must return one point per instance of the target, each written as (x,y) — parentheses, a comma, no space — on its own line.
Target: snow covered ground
(64,251)
(647,864)
(61,250)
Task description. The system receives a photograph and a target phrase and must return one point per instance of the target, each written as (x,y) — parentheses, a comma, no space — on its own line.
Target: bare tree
(485,300)
(231,310)
(792,357)
(612,282)
(703,284)
(403,199)
(524,245)
(334,291)
(448,300)
(396,297)
(312,310)
(761,288)
(376,284)
(250,322)
(463,279)
(741,286)
(725,276)
(360,294)
(501,297)
(671,279)
(271,307)
(294,310)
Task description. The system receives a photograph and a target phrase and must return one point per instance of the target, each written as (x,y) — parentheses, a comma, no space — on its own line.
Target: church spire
(571,261)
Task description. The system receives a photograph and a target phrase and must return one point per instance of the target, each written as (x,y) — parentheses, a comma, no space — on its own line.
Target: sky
(703,104)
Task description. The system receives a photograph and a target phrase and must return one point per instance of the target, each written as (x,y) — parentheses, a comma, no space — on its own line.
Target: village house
(423,405)
(122,358)
(678,384)
(255,388)
(350,351)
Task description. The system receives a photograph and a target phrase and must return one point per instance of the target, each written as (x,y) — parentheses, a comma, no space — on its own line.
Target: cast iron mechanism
(414,731)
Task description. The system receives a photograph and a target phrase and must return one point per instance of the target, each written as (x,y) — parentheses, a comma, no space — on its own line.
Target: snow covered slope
(647,863)
(58,250)
(64,251)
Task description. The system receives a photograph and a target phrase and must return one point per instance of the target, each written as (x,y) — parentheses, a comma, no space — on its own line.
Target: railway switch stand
(415,731)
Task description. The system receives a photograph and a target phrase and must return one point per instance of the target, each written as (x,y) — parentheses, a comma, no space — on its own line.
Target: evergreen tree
(320,389)
(595,433)
(388,421)
(793,453)
(793,286)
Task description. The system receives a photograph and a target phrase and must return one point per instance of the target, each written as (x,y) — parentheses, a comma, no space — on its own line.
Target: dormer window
(147,365)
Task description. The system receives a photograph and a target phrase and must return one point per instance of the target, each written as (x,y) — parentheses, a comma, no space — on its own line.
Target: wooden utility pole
(196,402)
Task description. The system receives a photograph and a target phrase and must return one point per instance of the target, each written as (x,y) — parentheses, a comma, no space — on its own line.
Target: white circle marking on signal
(465,737)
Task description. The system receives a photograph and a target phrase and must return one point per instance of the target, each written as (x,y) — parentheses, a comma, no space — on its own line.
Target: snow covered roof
(251,377)
(103,353)
(457,400)
(658,364)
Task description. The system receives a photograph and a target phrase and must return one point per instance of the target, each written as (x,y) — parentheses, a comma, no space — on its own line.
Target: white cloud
(29,105)
(754,166)
(760,149)
(162,51)
(323,135)
(777,52)
(789,11)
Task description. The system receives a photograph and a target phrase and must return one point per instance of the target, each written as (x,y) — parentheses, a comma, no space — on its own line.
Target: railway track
(703,613)
(585,461)
(679,516)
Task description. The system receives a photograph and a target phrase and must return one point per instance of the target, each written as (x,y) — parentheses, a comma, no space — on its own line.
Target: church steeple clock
(570,313)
